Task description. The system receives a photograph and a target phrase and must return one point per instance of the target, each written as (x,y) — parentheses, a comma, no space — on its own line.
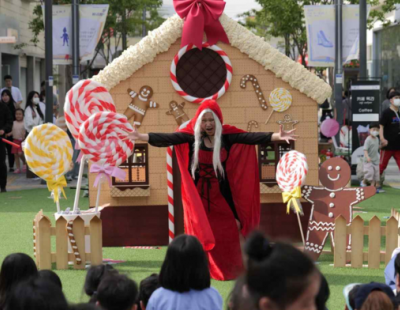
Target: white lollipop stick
(98,195)
(79,183)
(269,117)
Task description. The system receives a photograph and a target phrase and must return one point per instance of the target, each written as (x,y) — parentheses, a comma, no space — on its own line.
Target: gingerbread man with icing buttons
(137,108)
(330,201)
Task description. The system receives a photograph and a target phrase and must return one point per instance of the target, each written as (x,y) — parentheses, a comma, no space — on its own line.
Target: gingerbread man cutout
(137,108)
(330,201)
(287,123)
(177,111)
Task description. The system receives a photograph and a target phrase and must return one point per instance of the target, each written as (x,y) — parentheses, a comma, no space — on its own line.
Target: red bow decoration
(201,16)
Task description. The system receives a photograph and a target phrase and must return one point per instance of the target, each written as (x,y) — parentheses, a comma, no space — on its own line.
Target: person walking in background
(6,122)
(34,116)
(19,133)
(7,98)
(16,93)
(386,102)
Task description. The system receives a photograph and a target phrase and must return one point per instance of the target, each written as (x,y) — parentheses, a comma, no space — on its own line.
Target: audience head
(8,80)
(117,292)
(147,287)
(84,306)
(374,296)
(16,268)
(280,276)
(33,101)
(93,278)
(185,266)
(394,98)
(323,294)
(19,114)
(350,292)
(51,276)
(7,97)
(37,294)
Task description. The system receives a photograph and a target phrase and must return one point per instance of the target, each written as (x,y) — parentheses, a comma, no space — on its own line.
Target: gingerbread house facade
(138,212)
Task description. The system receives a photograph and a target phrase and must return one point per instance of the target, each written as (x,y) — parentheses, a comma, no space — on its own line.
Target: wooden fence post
(374,243)
(96,241)
(391,237)
(340,242)
(44,242)
(357,242)
(61,243)
(79,233)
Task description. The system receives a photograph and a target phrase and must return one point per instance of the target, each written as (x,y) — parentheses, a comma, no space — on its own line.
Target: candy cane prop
(291,174)
(103,139)
(250,124)
(170,180)
(86,98)
(257,88)
(179,89)
(72,241)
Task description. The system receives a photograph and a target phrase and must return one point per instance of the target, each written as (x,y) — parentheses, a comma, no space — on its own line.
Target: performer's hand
(284,135)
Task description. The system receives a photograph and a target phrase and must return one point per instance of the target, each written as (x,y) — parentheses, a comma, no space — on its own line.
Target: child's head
(147,287)
(51,276)
(185,266)
(279,276)
(117,292)
(19,115)
(93,278)
(374,129)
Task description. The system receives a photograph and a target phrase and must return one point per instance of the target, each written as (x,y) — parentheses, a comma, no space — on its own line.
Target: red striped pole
(170,181)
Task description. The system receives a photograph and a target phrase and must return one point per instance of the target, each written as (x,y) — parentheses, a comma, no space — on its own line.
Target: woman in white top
(185,279)
(34,115)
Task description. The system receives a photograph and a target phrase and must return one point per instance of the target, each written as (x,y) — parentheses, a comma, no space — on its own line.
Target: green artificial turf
(17,210)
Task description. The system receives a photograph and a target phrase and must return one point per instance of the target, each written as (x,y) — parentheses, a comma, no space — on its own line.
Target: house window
(268,159)
(136,167)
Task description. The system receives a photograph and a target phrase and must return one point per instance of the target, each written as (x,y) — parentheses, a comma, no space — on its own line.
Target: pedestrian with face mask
(389,132)
(34,115)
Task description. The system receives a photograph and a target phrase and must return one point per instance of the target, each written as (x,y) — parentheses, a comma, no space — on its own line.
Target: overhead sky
(233,7)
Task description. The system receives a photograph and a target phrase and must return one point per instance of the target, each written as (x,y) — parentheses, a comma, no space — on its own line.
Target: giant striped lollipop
(280,100)
(86,98)
(48,153)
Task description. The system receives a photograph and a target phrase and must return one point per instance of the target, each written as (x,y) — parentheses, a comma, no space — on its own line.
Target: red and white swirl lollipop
(82,101)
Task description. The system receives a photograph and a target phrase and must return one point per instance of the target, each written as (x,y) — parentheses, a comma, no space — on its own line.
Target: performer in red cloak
(220,183)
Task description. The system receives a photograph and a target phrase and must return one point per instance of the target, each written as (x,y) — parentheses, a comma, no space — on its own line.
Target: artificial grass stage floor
(17,210)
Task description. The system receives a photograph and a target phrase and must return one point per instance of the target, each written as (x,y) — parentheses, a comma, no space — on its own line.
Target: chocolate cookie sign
(176,110)
(330,201)
(137,108)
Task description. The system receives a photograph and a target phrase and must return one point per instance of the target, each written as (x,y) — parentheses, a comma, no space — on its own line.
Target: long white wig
(217,144)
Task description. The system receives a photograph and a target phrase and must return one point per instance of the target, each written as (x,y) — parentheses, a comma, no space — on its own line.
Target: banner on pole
(320,25)
(91,24)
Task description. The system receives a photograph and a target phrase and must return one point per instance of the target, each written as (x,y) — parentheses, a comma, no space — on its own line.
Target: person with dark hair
(84,306)
(6,97)
(375,296)
(350,292)
(389,132)
(93,278)
(147,287)
(6,123)
(323,294)
(185,279)
(16,268)
(16,93)
(36,294)
(279,276)
(386,102)
(371,159)
(34,115)
(117,292)
(51,276)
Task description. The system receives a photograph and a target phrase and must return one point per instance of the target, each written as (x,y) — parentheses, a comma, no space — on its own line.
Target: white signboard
(320,24)
(91,24)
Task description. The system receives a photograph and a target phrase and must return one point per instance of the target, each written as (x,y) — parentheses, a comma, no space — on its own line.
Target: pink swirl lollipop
(82,101)
(103,139)
(291,171)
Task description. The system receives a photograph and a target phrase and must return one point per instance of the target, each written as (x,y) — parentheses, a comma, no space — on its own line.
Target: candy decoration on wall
(103,139)
(179,89)
(74,247)
(48,153)
(291,174)
(138,108)
(257,88)
(330,201)
(201,16)
(176,110)
(280,100)
(170,182)
(251,124)
(287,123)
(329,128)
(84,99)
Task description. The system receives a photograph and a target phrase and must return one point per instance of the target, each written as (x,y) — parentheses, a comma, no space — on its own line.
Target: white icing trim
(161,39)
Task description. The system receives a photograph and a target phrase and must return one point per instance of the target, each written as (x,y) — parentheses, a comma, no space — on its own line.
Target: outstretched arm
(162,139)
(253,138)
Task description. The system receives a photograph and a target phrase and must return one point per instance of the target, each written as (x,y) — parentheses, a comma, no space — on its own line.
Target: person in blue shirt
(391,271)
(185,282)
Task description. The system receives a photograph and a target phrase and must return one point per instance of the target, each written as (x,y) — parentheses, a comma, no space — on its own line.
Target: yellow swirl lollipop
(280,100)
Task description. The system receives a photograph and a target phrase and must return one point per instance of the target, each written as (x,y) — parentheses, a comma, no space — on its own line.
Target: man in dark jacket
(6,123)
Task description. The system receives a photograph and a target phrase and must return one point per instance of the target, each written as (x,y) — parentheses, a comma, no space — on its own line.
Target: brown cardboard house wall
(140,216)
